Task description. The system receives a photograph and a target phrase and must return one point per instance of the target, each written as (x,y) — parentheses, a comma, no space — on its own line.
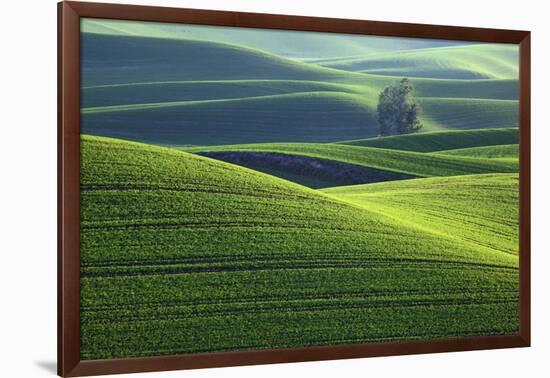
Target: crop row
(280,329)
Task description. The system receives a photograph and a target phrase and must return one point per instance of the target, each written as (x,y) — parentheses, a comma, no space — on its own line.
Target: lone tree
(397,111)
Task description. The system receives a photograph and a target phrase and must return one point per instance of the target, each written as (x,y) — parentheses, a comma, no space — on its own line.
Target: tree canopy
(398,112)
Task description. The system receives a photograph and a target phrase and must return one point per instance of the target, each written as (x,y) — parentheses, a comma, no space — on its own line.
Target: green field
(442,140)
(196,90)
(235,192)
(193,90)
(166,269)
(505,151)
(302,116)
(456,62)
(302,45)
(491,219)
(242,93)
(274,118)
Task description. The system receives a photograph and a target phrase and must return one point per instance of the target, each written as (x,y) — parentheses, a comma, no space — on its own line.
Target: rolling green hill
(411,163)
(314,116)
(463,114)
(485,61)
(505,151)
(111,59)
(297,117)
(157,92)
(140,75)
(281,42)
(144,93)
(179,250)
(223,244)
(115,60)
(481,209)
(442,140)
(500,89)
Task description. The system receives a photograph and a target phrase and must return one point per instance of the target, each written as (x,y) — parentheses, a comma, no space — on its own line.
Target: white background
(28,186)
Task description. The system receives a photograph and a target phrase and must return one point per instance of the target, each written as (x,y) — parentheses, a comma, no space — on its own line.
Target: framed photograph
(239,188)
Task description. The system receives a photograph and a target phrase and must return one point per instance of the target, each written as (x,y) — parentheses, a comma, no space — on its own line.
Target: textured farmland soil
(183,254)
(311,172)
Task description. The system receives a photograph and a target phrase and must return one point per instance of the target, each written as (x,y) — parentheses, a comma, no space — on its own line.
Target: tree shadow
(49,366)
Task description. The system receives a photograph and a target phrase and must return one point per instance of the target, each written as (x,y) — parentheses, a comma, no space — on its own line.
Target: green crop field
(281,117)
(275,118)
(171,264)
(461,114)
(262,92)
(307,46)
(236,194)
(491,219)
(457,62)
(174,91)
(442,140)
(505,151)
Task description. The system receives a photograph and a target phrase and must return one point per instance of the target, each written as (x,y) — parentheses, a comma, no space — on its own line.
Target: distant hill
(108,59)
(297,117)
(442,140)
(505,151)
(156,92)
(167,91)
(317,116)
(282,42)
(458,62)
(149,90)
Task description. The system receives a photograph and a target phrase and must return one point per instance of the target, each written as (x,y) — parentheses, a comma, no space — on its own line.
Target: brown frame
(69,14)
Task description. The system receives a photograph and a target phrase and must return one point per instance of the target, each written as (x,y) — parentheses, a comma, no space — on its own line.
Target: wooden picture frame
(69,361)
